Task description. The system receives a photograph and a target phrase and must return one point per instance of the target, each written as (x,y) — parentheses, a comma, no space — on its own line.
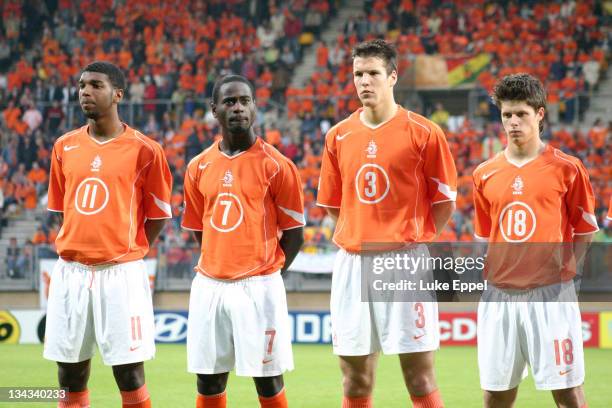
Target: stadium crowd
(174,51)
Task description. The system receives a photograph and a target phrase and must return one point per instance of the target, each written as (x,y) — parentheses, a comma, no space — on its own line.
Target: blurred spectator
(55,118)
(32,117)
(39,238)
(38,177)
(440,116)
(16,261)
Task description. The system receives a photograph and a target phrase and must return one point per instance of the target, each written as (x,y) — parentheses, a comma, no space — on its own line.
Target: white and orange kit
(238,309)
(384,180)
(100,289)
(527,213)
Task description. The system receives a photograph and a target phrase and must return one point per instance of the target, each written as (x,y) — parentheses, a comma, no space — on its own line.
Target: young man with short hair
(112,185)
(534,205)
(389,179)
(244,202)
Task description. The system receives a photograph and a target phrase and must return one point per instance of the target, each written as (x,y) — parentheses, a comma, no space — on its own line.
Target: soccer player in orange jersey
(244,202)
(532,202)
(112,185)
(389,179)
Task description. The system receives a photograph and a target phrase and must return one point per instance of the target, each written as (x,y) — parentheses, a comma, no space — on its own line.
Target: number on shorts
(136,329)
(420,321)
(566,348)
(271,333)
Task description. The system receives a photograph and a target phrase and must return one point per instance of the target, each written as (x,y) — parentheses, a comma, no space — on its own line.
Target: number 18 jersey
(521,208)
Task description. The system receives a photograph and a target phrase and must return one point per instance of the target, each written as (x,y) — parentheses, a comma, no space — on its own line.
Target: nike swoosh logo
(264,361)
(340,137)
(69,148)
(564,372)
(486,176)
(203,166)
(134,348)
(418,337)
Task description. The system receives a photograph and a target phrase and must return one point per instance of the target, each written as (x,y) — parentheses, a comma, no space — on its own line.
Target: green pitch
(315,383)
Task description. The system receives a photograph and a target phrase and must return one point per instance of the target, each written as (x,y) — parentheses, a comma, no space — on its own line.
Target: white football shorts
(363,327)
(110,305)
(544,335)
(241,324)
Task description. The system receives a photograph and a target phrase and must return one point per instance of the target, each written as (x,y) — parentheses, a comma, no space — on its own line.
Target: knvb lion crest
(518,185)
(228,179)
(372,149)
(96,164)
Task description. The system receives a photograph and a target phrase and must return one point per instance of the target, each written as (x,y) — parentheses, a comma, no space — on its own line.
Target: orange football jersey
(385,179)
(241,204)
(106,192)
(544,201)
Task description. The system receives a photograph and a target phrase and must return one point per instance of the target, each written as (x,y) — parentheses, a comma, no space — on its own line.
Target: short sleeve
(439,168)
(482,214)
(157,188)
(57,182)
(194,202)
(288,196)
(580,203)
(330,181)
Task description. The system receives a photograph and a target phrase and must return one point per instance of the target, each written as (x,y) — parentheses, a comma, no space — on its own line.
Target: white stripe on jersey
(162,205)
(445,189)
(589,218)
(298,217)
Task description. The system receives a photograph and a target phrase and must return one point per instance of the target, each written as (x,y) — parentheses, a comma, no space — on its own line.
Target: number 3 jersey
(526,213)
(106,191)
(385,180)
(241,204)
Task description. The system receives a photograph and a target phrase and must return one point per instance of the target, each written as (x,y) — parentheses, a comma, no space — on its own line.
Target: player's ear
(393,78)
(118,95)
(540,113)
(213,107)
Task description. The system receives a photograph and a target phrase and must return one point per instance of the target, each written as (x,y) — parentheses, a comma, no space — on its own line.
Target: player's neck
(374,116)
(525,152)
(105,128)
(232,144)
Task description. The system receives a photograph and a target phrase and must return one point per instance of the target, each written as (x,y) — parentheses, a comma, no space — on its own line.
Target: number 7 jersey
(241,203)
(545,201)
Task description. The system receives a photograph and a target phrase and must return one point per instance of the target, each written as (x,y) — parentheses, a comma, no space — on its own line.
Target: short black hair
(113,72)
(520,88)
(227,79)
(378,48)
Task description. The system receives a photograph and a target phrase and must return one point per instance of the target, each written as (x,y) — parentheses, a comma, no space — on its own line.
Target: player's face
(97,95)
(373,84)
(521,121)
(235,109)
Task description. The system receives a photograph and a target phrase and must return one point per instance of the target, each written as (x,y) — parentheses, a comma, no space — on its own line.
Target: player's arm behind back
(289,199)
(291,242)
